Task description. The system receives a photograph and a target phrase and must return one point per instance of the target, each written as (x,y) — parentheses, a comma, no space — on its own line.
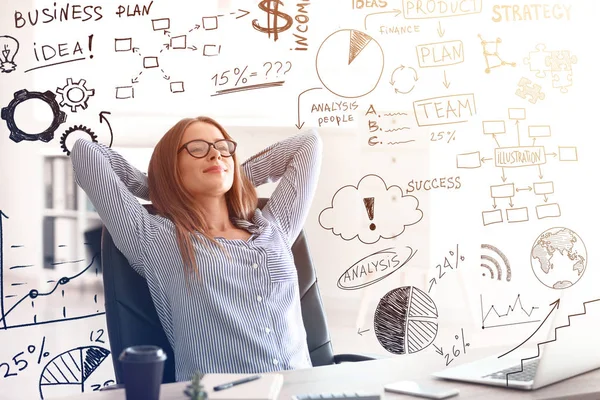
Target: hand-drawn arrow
(551,340)
(243,15)
(103,118)
(518,133)
(510,202)
(494,136)
(299,125)
(446,83)
(528,188)
(438,350)
(401,68)
(555,305)
(503,176)
(483,159)
(440,31)
(433,282)
(398,12)
(361,332)
(545,199)
(540,169)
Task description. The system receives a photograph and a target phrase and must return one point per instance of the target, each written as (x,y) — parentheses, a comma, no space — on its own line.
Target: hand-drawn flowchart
(509,158)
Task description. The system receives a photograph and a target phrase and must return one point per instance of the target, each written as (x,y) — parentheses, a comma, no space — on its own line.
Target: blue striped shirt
(243,315)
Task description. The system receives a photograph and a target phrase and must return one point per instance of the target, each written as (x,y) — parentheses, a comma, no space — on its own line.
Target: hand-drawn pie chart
(350,63)
(405,320)
(69,371)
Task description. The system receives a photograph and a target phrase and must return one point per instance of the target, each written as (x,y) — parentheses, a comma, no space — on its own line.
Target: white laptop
(574,352)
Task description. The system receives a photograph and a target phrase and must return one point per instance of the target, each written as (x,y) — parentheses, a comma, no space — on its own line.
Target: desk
(372,375)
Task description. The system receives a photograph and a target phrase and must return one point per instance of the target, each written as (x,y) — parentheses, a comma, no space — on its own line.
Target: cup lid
(142,354)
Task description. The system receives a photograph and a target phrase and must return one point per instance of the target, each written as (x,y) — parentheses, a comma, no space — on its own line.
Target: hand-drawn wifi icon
(491,255)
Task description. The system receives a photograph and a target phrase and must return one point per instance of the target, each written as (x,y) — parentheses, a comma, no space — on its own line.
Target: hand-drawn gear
(76,128)
(75,94)
(8,114)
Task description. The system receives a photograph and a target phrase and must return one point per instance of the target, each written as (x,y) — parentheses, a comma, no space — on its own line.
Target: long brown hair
(171,200)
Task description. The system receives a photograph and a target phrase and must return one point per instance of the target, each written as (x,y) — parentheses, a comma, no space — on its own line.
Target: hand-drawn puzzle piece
(562,80)
(561,60)
(537,60)
(527,89)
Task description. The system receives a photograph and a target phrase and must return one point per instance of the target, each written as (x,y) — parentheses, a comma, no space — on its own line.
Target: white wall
(257,118)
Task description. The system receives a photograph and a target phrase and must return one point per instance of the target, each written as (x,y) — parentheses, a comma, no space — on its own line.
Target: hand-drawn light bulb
(9,46)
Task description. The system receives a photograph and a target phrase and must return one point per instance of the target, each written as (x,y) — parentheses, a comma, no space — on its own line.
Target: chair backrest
(132,319)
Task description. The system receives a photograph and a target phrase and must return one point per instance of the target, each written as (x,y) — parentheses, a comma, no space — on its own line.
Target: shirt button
(275,361)
(258,298)
(255,265)
(267,330)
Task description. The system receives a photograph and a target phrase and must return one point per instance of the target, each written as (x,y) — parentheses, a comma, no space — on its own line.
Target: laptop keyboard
(526,375)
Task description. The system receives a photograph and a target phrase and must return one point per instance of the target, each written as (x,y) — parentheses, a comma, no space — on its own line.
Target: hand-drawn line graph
(508,315)
(34,293)
(72,368)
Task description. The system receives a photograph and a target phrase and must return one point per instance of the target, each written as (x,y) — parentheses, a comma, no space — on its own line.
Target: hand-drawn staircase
(554,339)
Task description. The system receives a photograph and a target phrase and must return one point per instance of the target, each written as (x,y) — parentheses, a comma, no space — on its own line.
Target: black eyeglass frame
(185,146)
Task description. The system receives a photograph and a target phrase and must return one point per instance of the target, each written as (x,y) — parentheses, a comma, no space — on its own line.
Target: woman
(220,271)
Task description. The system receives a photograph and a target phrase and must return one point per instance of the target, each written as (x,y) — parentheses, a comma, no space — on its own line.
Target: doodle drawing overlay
(400,211)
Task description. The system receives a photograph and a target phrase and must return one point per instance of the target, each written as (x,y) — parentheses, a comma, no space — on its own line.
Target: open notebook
(267,387)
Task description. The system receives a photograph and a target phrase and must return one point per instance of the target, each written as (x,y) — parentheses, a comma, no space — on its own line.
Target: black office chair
(132,319)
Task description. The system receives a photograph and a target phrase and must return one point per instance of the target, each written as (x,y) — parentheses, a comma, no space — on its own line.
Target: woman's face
(211,175)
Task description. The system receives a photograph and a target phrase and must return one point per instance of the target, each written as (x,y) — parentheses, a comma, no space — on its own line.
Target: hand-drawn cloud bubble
(370,211)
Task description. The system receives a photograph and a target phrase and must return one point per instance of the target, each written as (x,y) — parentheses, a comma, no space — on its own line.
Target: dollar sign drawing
(271,8)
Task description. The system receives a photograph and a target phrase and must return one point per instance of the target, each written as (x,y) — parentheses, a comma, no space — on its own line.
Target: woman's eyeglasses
(199,148)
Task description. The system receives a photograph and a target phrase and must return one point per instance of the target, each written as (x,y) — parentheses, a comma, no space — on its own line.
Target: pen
(234,383)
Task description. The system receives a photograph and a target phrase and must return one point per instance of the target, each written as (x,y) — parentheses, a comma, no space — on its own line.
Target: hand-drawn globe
(558,258)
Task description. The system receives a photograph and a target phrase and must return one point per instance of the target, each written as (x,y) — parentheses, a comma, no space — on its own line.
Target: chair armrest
(340,358)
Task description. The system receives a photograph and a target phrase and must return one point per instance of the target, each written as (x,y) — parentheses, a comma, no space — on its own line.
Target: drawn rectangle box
(492,217)
(539,131)
(150,62)
(161,24)
(547,210)
(468,160)
(210,23)
(517,214)
(123,44)
(567,153)
(177,87)
(179,42)
(500,191)
(418,9)
(543,188)
(124,92)
(516,113)
(459,102)
(424,51)
(493,127)
(211,50)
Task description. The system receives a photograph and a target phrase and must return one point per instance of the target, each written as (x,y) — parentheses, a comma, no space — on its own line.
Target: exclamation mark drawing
(370,206)
(90,45)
